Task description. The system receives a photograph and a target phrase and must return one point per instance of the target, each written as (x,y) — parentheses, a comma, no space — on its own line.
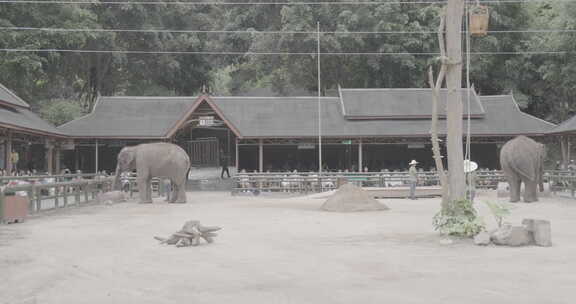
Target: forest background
(177,48)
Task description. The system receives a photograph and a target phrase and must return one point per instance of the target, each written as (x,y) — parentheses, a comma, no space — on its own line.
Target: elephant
(155,160)
(522,160)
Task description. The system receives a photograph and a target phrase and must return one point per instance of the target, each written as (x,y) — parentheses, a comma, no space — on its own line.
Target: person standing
(14,158)
(413,178)
(224,160)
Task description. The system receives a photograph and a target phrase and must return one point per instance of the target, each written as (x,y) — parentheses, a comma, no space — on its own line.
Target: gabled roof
(130,117)
(15,114)
(260,117)
(8,97)
(298,117)
(25,120)
(568,126)
(401,103)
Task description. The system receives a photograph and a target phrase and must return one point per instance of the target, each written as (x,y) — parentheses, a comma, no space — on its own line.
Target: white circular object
(469,166)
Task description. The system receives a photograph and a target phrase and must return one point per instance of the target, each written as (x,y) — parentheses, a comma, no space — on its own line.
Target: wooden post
(9,153)
(56,192)
(237,156)
(57,160)
(65,190)
(38,200)
(260,156)
(49,157)
(76,158)
(360,165)
(96,157)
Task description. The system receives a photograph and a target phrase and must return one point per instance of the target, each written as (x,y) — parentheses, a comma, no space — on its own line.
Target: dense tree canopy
(542,83)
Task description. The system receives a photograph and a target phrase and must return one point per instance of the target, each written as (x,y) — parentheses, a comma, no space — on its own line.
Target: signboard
(347,142)
(206,120)
(68,145)
(416,146)
(306,146)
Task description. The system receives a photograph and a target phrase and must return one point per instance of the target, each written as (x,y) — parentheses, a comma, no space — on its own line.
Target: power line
(45,29)
(11,50)
(272,3)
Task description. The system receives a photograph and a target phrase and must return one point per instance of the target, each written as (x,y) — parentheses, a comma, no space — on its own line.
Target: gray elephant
(155,160)
(522,160)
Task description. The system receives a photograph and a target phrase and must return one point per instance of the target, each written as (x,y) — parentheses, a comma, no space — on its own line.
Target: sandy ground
(279,250)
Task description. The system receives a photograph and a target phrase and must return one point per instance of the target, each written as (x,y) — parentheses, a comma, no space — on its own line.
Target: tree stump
(540,230)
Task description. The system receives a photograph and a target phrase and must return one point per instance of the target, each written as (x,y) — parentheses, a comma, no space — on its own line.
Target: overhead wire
(47,29)
(246,3)
(248,53)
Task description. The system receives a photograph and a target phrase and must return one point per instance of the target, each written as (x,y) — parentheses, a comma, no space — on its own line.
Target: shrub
(458,219)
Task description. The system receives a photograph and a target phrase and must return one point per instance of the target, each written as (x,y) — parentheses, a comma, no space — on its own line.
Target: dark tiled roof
(25,119)
(298,117)
(568,126)
(286,117)
(150,117)
(400,103)
(8,96)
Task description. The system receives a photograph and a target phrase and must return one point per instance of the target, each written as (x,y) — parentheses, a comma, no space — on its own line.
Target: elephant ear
(128,157)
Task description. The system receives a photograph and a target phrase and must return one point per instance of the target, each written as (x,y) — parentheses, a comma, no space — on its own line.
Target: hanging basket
(479,17)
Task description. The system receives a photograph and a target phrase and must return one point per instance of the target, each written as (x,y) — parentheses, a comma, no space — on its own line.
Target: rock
(541,231)
(482,239)
(351,198)
(111,197)
(509,235)
(446,242)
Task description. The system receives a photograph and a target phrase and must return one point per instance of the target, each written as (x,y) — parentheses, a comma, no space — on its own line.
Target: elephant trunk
(117,185)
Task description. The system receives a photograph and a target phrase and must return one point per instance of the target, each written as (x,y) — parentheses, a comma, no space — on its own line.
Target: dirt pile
(350,198)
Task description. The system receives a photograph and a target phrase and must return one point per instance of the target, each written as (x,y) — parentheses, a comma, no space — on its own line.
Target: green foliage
(543,84)
(458,219)
(60,111)
(499,211)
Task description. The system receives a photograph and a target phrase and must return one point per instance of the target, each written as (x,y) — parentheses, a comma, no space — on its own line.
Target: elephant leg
(143,187)
(179,195)
(149,190)
(514,182)
(530,191)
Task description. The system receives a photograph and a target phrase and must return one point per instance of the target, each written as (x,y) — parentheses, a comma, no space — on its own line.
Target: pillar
(49,157)
(9,153)
(76,158)
(260,156)
(57,160)
(96,157)
(360,165)
(237,157)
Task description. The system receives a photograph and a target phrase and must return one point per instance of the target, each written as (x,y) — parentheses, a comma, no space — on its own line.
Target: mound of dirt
(350,198)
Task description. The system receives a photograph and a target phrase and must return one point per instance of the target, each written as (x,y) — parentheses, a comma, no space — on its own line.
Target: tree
(454,107)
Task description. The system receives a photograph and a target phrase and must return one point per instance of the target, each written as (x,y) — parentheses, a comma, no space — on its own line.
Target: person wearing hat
(413,178)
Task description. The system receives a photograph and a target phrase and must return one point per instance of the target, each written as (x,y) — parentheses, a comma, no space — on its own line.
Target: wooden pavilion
(361,128)
(27,142)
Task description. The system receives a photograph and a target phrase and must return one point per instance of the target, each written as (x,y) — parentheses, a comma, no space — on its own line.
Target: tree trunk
(456,177)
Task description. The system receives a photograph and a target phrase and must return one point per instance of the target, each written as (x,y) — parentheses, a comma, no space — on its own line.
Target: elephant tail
(188,173)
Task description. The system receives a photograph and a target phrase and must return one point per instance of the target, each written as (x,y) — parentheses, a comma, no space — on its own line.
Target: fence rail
(44,196)
(305,182)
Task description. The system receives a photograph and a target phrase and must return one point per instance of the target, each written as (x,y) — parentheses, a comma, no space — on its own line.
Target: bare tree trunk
(436,86)
(456,177)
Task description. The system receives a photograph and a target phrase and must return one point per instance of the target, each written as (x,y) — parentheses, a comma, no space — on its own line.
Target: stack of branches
(190,235)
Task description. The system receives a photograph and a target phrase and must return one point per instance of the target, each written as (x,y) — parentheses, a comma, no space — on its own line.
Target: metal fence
(304,182)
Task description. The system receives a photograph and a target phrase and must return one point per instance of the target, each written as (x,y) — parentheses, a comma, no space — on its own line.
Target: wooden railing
(305,182)
(44,196)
